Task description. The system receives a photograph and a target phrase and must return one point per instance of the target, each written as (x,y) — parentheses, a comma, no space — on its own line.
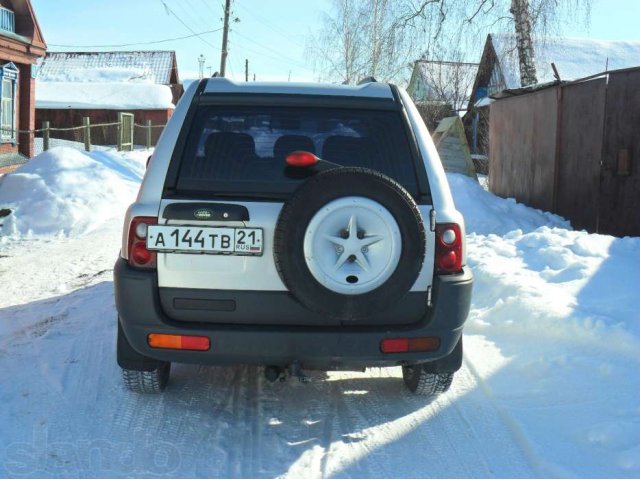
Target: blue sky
(272,34)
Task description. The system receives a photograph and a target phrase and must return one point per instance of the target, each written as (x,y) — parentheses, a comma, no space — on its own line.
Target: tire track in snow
(234,468)
(251,442)
(510,423)
(327,430)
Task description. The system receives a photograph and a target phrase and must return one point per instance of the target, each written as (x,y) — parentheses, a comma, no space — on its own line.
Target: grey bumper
(336,347)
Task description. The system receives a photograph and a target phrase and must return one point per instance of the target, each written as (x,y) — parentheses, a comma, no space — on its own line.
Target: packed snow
(549,385)
(573,57)
(105,95)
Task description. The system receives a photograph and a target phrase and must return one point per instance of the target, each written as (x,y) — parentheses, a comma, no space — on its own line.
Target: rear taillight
(404,345)
(138,254)
(178,342)
(448,248)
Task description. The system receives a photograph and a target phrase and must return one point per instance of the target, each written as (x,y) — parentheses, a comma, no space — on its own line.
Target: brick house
(21,44)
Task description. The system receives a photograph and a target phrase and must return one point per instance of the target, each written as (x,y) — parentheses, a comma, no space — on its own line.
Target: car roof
(365,90)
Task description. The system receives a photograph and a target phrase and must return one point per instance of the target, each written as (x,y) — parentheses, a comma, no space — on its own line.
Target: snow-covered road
(549,385)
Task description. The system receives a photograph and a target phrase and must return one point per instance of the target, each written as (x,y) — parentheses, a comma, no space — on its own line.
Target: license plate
(221,240)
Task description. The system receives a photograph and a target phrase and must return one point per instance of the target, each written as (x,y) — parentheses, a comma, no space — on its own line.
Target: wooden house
(98,85)
(21,45)
(573,58)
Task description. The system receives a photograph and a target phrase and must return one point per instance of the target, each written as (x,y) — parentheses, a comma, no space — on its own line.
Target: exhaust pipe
(273,373)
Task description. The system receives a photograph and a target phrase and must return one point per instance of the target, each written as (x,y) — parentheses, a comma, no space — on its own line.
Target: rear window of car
(242,150)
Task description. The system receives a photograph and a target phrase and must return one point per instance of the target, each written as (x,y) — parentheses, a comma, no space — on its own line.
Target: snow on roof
(105,95)
(109,80)
(143,66)
(574,57)
(449,81)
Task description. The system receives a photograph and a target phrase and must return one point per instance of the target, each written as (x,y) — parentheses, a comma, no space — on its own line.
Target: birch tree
(524,41)
(361,38)
(382,38)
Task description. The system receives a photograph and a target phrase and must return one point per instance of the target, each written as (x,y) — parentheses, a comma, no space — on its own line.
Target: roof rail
(367,80)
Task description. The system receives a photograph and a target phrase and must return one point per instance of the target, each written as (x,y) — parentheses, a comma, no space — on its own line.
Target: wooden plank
(522,138)
(580,147)
(619,212)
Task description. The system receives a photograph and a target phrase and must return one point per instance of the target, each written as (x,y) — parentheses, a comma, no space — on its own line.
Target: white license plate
(234,241)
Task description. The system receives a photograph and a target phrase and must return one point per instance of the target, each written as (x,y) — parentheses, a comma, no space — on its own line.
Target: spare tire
(350,242)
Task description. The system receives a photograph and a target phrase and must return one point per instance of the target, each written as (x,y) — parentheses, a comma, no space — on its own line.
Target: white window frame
(9,73)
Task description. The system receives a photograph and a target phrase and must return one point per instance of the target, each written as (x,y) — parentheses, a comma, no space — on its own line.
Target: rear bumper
(336,347)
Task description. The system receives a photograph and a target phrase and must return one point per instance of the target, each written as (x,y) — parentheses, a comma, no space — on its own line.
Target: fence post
(120,120)
(46,134)
(87,133)
(148,134)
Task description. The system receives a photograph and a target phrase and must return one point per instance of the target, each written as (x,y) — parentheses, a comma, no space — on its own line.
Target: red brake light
(448,248)
(403,345)
(138,254)
(300,158)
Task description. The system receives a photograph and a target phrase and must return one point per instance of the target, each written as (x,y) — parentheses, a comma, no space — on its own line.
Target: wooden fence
(573,149)
(119,134)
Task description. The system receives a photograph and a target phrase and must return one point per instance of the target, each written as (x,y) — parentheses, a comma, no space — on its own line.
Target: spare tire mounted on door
(350,242)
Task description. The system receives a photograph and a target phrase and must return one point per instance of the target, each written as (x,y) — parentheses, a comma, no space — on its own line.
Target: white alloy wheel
(352,245)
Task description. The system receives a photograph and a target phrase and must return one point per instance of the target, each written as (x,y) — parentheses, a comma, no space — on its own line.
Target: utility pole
(246,69)
(225,37)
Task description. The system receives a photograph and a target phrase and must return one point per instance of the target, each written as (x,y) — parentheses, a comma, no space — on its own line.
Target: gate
(579,141)
(619,204)
(125,133)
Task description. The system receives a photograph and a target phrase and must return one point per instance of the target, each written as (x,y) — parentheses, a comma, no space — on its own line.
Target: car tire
(318,194)
(154,381)
(421,382)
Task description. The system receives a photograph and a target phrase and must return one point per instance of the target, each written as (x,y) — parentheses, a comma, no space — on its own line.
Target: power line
(279,55)
(137,43)
(192,15)
(208,6)
(269,25)
(166,7)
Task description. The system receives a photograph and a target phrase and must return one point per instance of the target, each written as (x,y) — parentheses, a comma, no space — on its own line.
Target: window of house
(9,78)
(7,20)
(496,83)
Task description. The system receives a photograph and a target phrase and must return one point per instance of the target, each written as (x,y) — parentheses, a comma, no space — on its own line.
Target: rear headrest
(346,150)
(229,143)
(290,143)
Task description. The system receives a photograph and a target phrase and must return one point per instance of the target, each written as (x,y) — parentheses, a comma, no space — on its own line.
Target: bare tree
(525,18)
(338,48)
(362,38)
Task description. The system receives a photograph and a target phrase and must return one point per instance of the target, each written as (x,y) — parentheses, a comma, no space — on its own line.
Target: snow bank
(107,95)
(554,333)
(484,213)
(69,191)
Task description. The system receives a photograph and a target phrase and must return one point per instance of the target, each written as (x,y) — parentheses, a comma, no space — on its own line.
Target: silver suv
(294,226)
